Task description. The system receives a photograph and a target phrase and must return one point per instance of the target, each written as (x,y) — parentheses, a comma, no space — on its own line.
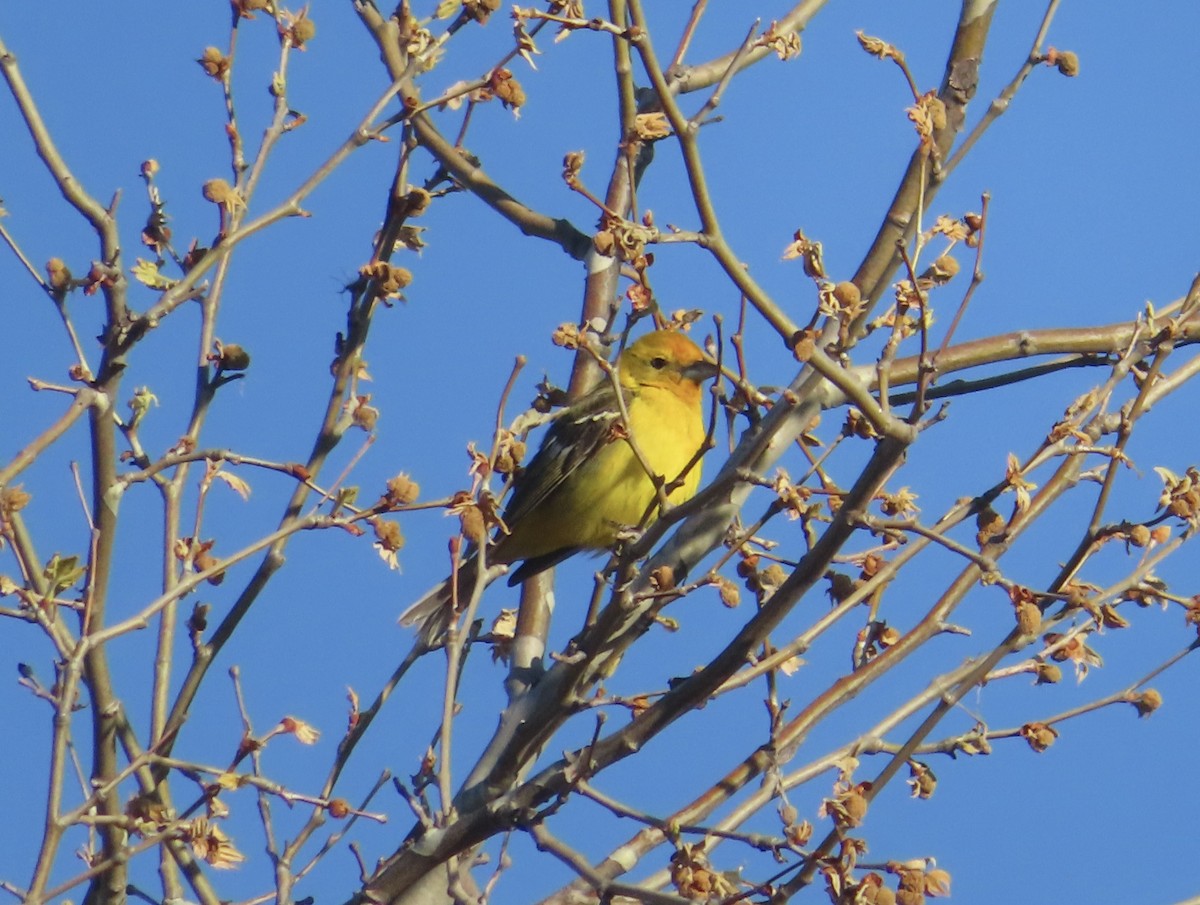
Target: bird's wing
(539,564)
(433,612)
(578,434)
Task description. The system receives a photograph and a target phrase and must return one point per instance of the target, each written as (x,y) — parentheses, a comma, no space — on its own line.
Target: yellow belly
(612,491)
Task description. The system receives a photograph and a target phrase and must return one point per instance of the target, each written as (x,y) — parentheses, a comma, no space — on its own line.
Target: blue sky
(1093,196)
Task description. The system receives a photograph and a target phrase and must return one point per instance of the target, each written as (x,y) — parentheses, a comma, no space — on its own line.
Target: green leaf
(62,572)
(147,273)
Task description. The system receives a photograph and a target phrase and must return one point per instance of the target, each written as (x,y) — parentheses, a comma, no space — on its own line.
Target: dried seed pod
(233,357)
(1139,535)
(1048,674)
(303,30)
(58,275)
(1039,736)
(849,296)
(402,490)
(1147,702)
(1067,62)
(1029,618)
(214,63)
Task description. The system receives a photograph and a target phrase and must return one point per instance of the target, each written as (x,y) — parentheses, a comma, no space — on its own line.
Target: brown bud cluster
(247,8)
(941,271)
(388,534)
(804,343)
(1138,535)
(99,276)
(923,782)
(567,335)
(194,255)
(901,504)
(388,280)
(810,251)
(473,524)
(218,191)
(1029,614)
(302,30)
(1147,702)
(231,357)
(363,415)
(1065,61)
(58,275)
(480,10)
(626,240)
(504,630)
(991,527)
(849,808)
(572,164)
(877,47)
(1040,736)
(415,202)
(840,587)
(13,499)
(871,891)
(503,86)
(214,63)
(401,491)
(694,878)
(786,45)
(928,116)
(156,233)
(201,556)
(510,453)
(729,592)
(197,622)
(651,126)
(1048,674)
(1192,614)
(848,296)
(761,577)
(857,425)
(1181,494)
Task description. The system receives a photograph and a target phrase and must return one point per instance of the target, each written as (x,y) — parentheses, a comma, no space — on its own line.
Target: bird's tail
(432,614)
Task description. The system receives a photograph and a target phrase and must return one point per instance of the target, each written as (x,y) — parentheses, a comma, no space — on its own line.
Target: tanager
(586,483)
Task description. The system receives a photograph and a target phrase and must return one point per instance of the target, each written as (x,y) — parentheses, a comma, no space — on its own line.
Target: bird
(586,484)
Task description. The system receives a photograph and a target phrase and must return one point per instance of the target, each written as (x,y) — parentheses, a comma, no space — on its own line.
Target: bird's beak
(700,371)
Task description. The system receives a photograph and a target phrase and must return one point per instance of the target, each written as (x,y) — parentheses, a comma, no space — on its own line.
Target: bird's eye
(658,363)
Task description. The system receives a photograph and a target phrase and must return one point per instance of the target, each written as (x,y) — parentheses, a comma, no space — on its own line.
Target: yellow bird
(586,484)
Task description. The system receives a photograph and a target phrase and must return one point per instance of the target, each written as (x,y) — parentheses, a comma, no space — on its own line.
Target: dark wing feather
(574,437)
(539,564)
